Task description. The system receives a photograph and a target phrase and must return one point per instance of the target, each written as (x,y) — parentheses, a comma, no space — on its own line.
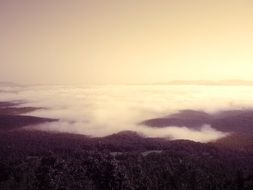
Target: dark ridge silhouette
(130,140)
(125,134)
(235,121)
(17,110)
(11,118)
(9,104)
(8,122)
(40,160)
(189,118)
(240,121)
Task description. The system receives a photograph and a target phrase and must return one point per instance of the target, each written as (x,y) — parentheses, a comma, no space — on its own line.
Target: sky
(125,41)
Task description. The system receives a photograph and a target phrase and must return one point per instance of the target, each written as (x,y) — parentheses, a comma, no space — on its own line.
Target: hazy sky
(125,41)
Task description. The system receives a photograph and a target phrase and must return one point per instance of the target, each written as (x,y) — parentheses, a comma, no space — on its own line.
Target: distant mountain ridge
(209,82)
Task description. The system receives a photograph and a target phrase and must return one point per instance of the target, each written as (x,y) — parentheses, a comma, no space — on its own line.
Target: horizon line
(226,82)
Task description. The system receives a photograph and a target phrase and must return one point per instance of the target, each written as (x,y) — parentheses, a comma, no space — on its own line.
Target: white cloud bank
(103,110)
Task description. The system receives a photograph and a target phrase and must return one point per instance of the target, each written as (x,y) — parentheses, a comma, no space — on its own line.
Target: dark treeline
(33,160)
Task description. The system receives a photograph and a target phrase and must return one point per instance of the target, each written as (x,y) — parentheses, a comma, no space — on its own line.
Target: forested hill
(35,160)
(39,160)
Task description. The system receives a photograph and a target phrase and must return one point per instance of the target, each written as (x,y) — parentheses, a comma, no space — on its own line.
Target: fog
(101,110)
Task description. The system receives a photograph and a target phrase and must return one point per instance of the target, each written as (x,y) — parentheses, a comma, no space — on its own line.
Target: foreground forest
(35,160)
(38,160)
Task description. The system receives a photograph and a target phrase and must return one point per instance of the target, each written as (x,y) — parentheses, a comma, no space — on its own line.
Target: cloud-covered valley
(104,110)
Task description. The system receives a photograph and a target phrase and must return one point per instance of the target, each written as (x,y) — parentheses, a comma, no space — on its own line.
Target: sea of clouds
(100,110)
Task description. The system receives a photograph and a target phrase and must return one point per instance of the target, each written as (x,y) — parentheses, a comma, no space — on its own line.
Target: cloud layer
(103,110)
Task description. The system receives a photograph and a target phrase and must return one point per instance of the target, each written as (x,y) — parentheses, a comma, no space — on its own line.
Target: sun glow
(125,41)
